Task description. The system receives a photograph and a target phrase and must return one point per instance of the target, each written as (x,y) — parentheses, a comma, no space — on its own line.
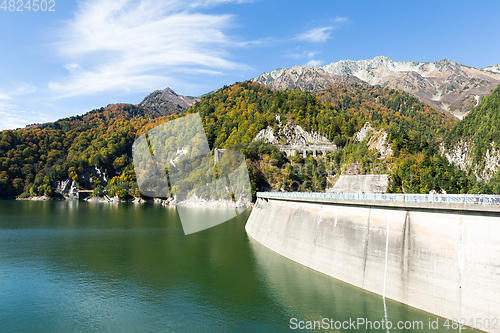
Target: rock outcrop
(376,139)
(462,155)
(91,176)
(290,137)
(290,134)
(166,102)
(66,187)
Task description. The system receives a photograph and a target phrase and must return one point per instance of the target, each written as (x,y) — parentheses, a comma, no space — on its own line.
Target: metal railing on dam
(484,199)
(471,202)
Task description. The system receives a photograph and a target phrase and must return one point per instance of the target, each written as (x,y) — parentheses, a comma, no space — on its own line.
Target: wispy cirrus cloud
(139,45)
(338,20)
(297,54)
(314,62)
(308,56)
(321,34)
(210,3)
(16,89)
(11,118)
(4,96)
(316,35)
(10,115)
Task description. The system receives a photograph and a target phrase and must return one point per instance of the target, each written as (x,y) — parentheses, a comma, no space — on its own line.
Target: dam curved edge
(443,262)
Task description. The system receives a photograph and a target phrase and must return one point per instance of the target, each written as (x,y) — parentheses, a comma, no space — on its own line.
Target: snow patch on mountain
(493,69)
(437,97)
(477,97)
(278,72)
(371,70)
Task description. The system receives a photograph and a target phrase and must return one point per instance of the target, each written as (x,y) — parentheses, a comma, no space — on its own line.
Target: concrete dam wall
(442,260)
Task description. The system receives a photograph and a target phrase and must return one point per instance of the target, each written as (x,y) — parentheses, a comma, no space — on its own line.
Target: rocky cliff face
(491,163)
(66,187)
(290,134)
(462,155)
(166,102)
(445,85)
(473,144)
(91,176)
(459,155)
(88,179)
(376,140)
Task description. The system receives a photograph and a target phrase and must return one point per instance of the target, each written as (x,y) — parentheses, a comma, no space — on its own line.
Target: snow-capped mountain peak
(444,84)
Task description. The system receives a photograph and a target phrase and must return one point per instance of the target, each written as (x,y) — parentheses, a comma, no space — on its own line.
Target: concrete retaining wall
(443,262)
(360,184)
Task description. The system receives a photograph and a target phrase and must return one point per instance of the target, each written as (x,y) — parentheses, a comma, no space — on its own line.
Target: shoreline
(191,202)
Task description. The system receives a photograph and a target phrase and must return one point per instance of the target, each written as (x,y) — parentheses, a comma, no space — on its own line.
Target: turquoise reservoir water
(83,267)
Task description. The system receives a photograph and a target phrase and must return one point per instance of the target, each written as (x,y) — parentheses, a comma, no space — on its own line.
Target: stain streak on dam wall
(443,261)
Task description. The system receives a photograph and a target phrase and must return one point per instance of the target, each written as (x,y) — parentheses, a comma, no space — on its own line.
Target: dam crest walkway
(465,202)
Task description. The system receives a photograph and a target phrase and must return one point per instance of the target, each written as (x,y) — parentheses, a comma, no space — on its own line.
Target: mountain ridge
(157,104)
(447,86)
(166,102)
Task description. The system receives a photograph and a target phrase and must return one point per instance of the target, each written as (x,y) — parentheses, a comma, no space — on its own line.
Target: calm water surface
(84,267)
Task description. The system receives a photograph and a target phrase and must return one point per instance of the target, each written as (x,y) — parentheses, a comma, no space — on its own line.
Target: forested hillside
(474,143)
(236,114)
(387,107)
(482,124)
(32,158)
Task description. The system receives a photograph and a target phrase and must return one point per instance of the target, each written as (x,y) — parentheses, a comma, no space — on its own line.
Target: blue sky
(90,53)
